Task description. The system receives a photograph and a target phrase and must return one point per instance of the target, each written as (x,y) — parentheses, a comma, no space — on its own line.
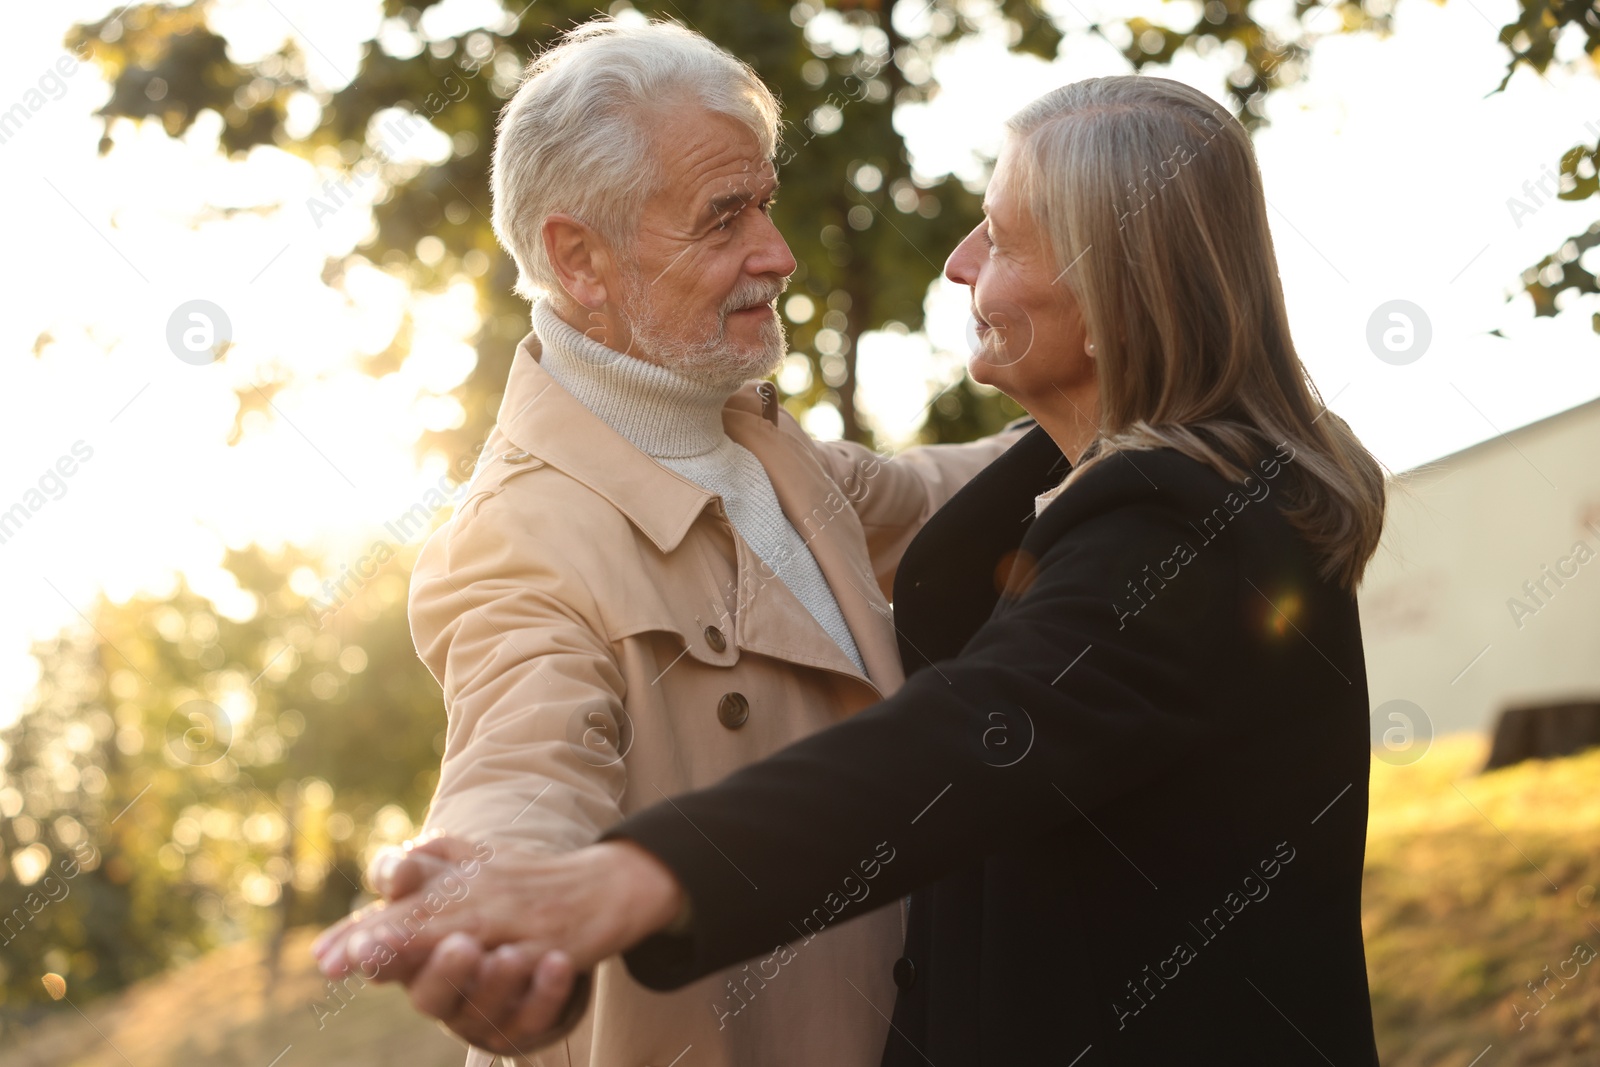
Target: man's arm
(533,693)
(894,496)
(534,699)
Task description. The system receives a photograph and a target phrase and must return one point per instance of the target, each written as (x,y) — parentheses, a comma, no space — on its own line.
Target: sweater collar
(663,413)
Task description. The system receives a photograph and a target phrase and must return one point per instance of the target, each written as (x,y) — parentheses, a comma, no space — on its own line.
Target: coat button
(905,972)
(715,639)
(517,455)
(732,710)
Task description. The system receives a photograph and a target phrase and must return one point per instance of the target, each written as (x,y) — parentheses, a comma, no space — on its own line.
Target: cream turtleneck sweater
(678,422)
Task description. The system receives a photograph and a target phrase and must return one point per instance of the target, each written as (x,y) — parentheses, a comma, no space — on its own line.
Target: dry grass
(218,1012)
(1475,885)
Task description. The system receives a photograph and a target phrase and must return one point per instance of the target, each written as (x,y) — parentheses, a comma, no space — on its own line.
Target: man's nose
(772,255)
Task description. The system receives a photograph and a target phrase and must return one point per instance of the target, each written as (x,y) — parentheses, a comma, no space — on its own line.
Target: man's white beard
(713,361)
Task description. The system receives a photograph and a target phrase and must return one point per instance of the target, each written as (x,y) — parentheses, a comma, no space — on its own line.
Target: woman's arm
(1105,673)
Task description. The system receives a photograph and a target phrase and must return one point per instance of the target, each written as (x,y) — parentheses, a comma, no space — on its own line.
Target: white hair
(578,135)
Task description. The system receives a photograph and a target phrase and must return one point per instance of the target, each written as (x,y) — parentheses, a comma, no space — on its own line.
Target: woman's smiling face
(1031,336)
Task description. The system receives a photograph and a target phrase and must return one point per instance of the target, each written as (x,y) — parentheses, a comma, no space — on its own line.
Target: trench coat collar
(540,417)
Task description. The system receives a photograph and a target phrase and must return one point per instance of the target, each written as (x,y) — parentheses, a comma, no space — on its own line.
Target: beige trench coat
(605,638)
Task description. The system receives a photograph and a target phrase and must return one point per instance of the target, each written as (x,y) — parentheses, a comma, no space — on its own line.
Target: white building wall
(1512,521)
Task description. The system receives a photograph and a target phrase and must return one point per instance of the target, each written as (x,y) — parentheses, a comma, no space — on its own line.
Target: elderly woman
(1126,791)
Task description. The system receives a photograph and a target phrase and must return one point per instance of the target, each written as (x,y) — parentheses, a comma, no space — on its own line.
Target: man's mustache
(753,294)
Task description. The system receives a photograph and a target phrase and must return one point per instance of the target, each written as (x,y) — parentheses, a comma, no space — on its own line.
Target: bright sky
(1388,176)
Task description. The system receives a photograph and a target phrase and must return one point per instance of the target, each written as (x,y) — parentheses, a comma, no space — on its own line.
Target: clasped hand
(497,943)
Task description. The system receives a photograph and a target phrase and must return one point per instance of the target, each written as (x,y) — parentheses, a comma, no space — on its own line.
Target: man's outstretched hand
(494,942)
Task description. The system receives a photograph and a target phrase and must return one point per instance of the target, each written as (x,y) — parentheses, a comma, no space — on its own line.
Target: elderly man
(657,577)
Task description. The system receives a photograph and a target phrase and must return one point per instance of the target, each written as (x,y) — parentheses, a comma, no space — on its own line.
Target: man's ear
(580,259)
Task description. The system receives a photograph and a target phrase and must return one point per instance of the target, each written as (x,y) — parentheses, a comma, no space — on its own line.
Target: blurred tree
(1572,270)
(215,777)
(869,235)
(1262,59)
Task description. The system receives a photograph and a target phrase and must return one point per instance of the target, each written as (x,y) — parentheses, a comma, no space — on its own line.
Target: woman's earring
(1089,348)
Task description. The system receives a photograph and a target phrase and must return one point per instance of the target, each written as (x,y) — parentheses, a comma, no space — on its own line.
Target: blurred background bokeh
(257,326)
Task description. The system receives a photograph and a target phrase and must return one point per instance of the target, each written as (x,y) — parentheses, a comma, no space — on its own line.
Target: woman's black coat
(1128,794)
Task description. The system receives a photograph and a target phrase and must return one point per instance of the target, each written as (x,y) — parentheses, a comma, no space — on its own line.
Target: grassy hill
(1476,886)
(217,1012)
